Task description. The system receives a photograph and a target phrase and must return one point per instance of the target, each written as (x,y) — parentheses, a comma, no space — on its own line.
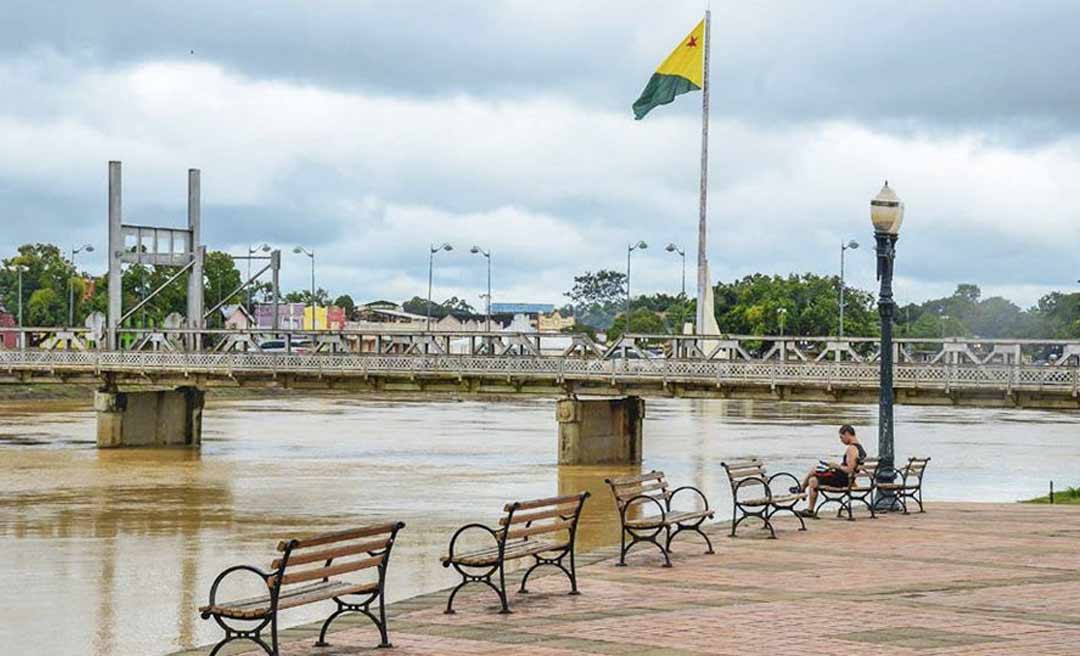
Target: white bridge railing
(557,368)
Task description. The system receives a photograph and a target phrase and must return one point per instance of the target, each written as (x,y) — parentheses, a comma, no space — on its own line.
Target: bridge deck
(856,381)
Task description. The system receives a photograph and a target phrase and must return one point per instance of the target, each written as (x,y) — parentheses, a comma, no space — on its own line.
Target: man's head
(847,434)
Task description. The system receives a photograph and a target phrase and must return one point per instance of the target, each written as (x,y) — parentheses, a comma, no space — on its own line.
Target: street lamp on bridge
(251,251)
(476,250)
(630,249)
(71,286)
(886,213)
(431,275)
(783,315)
(19,268)
(672,248)
(301,250)
(852,244)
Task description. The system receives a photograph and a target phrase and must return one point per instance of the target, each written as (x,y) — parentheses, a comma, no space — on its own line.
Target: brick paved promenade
(962,579)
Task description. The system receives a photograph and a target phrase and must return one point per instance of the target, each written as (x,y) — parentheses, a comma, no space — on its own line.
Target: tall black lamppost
(630,248)
(476,250)
(886,213)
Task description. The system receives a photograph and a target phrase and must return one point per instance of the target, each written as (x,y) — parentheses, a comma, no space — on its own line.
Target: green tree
(417,305)
(46,307)
(44,270)
(752,306)
(220,279)
(597,297)
(346,303)
(455,305)
(642,321)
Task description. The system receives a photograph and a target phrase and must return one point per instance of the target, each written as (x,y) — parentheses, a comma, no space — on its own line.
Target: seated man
(833,474)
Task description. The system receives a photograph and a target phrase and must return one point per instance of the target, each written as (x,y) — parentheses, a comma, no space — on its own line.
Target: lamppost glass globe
(853,244)
(886,211)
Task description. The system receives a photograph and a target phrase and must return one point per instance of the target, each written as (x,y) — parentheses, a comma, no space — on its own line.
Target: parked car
(299,346)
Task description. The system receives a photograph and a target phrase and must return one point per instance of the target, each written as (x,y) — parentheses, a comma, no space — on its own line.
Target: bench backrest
(865,473)
(554,515)
(915,468)
(321,557)
(630,491)
(745,474)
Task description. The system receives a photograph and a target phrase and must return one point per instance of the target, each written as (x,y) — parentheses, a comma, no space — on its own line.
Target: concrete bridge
(151,392)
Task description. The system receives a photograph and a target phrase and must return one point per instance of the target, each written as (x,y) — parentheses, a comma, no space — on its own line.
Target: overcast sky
(369,130)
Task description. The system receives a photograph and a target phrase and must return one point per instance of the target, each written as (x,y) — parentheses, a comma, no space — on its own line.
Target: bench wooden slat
(659,498)
(333,570)
(557,511)
(747,472)
(628,492)
(628,480)
(540,528)
(338,536)
(743,464)
(670,519)
(336,552)
(257,607)
(540,503)
(520,549)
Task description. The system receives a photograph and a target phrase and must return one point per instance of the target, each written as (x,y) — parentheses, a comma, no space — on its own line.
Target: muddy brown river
(110,552)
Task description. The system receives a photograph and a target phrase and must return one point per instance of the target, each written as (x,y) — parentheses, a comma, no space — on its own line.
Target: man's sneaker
(809,514)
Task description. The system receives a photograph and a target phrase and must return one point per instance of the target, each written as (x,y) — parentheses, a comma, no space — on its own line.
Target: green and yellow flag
(680,73)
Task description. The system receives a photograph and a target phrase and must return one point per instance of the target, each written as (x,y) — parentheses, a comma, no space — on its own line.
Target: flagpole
(702,277)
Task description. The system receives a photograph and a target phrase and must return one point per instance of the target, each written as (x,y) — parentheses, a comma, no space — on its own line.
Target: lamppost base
(886,500)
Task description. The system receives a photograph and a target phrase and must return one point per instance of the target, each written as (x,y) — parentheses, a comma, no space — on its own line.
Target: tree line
(758,304)
(809,304)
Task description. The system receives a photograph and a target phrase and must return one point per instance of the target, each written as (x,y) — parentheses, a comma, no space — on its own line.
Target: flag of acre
(680,73)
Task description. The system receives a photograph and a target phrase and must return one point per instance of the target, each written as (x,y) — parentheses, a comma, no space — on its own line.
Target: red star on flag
(692,43)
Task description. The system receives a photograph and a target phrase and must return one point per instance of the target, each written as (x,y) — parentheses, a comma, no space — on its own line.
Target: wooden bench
(860,488)
(752,494)
(543,529)
(633,494)
(909,483)
(307,571)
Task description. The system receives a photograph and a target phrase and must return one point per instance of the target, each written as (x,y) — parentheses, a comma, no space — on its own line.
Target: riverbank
(1067,496)
(962,579)
(84,394)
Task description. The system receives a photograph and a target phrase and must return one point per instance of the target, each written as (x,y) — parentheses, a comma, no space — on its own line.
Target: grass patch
(1070,495)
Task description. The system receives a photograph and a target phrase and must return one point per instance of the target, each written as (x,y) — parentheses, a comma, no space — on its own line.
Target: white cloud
(552,186)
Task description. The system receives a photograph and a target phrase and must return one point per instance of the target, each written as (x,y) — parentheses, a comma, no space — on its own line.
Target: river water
(110,552)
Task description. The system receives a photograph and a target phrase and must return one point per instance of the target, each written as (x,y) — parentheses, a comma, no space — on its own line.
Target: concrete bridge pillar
(600,431)
(157,418)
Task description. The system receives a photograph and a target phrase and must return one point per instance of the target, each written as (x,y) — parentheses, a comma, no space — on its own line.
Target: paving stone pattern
(961,579)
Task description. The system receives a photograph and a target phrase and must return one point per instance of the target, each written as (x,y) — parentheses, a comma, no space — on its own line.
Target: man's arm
(850,455)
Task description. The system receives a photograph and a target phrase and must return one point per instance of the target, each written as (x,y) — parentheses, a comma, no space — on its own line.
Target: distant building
(290,316)
(553,322)
(7,320)
(380,305)
(389,313)
(236,317)
(521,308)
(541,317)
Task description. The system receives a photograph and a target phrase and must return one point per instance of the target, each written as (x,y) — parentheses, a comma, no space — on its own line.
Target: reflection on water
(128,541)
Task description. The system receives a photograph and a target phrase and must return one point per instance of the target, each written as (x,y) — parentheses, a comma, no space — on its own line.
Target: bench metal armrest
(630,501)
(691,488)
(777,475)
(755,480)
(265,576)
(495,533)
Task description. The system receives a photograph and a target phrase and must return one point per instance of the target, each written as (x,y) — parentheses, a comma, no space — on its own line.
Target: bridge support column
(600,431)
(159,418)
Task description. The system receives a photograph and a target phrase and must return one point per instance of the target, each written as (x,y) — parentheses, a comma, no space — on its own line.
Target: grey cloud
(1002,67)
